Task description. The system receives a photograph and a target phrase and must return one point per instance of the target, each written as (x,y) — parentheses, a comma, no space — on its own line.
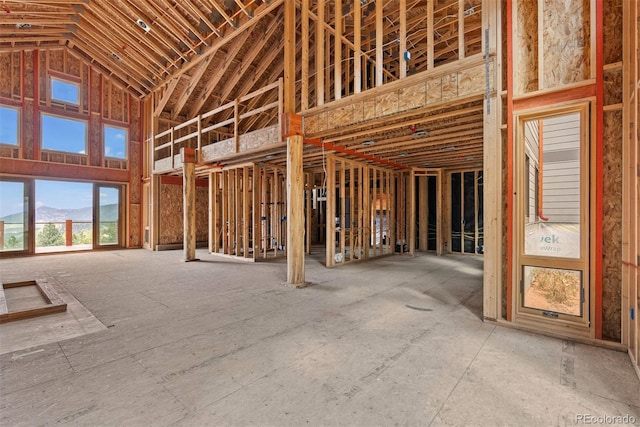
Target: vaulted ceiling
(195,55)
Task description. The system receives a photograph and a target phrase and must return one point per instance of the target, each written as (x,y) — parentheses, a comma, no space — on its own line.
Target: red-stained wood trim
(556,97)
(339,149)
(177,180)
(36,104)
(63,76)
(36,168)
(510,124)
(597,239)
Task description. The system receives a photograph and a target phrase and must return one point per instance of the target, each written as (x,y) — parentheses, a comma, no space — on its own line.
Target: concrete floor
(394,341)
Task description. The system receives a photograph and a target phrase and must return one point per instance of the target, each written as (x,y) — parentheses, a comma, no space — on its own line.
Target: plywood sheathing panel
(27,131)
(449,87)
(56,60)
(28,74)
(134,236)
(387,104)
(412,97)
(612,87)
(96,84)
(43,83)
(612,226)
(260,138)
(426,91)
(525,48)
(171,222)
(95,143)
(566,41)
(613,31)
(6,73)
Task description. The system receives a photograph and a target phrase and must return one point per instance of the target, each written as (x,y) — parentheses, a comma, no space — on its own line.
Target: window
(65,91)
(8,125)
(60,134)
(115,142)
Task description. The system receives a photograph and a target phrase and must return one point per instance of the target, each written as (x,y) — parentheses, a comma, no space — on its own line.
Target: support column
(292,131)
(492,161)
(295,212)
(188,157)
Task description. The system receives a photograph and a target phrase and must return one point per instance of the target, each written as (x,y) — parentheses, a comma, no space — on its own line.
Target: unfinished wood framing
(389,98)
(53,303)
(360,211)
(248,212)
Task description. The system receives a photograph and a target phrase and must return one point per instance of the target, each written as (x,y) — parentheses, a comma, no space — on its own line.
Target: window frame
(126,141)
(58,116)
(77,85)
(17,123)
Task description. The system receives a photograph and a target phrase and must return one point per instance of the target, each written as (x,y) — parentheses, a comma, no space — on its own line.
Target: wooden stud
(423,209)
(343,226)
(256,205)
(403,39)
(379,47)
(304,96)
(337,69)
(331,211)
(411,195)
(246,207)
(357,47)
(320,53)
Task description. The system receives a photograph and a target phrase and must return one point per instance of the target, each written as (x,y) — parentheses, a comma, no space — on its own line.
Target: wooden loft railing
(246,129)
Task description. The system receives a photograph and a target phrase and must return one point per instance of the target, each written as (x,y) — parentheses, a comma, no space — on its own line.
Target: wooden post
(188,157)
(439,214)
(308,189)
(68,228)
(411,194)
(213,212)
(295,212)
(492,173)
(1,235)
(423,208)
(257,210)
(319,44)
(331,211)
(357,47)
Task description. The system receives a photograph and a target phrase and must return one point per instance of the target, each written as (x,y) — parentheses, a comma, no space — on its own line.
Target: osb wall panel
(115,102)
(171,214)
(566,41)
(134,156)
(430,90)
(5,70)
(612,87)
(525,48)
(135,234)
(11,76)
(202,213)
(95,142)
(260,138)
(28,74)
(612,226)
(613,30)
(96,85)
(171,220)
(43,76)
(412,97)
(386,104)
(27,131)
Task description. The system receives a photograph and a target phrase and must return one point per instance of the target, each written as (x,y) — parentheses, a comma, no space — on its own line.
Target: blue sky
(55,194)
